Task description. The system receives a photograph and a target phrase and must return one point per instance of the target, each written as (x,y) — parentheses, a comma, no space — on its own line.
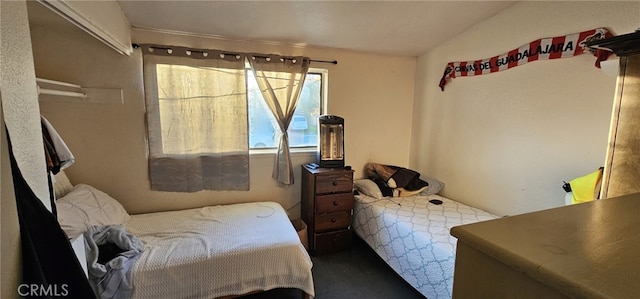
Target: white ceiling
(402,28)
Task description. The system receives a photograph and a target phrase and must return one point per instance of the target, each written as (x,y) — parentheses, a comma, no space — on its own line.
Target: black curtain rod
(324,61)
(135,46)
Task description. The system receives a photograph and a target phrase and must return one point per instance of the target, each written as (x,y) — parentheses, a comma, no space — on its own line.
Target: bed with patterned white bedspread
(218,251)
(412,236)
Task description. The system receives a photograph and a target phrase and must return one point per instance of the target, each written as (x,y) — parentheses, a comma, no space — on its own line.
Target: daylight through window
(303,129)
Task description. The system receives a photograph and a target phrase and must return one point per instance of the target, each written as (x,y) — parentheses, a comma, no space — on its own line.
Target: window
(205,111)
(197,122)
(190,101)
(303,129)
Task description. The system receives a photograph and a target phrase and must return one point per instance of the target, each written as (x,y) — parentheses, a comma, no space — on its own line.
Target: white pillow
(86,206)
(61,184)
(435,186)
(368,187)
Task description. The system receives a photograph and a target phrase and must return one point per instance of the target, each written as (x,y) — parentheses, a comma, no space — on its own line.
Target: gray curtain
(197,122)
(280,80)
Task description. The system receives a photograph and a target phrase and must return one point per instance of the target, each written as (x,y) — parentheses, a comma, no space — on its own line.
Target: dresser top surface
(587,250)
(318,170)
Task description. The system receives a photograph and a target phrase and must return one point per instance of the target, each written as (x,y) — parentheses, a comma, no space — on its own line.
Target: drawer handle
(333,220)
(335,183)
(335,203)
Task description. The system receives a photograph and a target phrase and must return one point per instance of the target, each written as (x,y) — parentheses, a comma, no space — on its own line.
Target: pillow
(434,187)
(61,184)
(368,187)
(86,206)
(384,188)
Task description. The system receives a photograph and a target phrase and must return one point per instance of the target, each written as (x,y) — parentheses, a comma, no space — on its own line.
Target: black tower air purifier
(331,144)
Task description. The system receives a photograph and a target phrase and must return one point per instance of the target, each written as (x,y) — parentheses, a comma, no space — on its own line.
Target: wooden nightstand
(327,203)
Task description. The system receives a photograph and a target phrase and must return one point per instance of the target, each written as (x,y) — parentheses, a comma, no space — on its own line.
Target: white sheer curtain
(196,119)
(280,80)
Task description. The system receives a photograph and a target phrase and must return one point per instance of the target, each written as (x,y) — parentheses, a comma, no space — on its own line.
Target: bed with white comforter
(207,252)
(412,236)
(218,251)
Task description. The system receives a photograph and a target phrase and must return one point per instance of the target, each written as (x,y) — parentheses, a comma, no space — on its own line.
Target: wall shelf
(56,91)
(103,20)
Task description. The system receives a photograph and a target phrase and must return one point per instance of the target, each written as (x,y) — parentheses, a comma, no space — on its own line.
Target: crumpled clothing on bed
(113,278)
(402,181)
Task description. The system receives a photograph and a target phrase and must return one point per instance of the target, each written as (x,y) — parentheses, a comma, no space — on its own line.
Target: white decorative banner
(541,49)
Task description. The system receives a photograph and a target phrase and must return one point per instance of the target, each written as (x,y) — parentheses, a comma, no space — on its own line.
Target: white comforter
(218,251)
(412,236)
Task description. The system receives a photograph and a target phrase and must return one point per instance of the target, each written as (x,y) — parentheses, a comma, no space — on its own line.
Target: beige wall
(20,98)
(10,229)
(506,141)
(20,114)
(373,93)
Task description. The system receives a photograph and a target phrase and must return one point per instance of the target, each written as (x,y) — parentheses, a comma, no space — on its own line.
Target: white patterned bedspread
(218,251)
(412,236)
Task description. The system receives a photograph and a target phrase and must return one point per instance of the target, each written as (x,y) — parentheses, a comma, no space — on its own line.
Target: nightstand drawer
(326,207)
(334,202)
(332,221)
(333,241)
(334,183)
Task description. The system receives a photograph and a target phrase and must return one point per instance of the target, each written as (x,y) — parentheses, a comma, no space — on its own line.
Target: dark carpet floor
(354,273)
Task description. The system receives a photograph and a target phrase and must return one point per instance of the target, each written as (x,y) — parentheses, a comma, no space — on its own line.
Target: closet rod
(70,92)
(57,83)
(61,93)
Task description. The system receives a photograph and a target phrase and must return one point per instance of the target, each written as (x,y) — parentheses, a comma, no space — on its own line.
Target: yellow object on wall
(586,188)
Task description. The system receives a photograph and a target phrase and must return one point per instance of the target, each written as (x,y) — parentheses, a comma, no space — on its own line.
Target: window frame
(324,75)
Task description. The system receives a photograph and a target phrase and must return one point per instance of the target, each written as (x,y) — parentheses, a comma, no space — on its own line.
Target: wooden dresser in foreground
(587,250)
(327,203)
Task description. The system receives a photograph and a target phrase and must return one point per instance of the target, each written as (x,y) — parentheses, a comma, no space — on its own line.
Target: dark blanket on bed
(395,176)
